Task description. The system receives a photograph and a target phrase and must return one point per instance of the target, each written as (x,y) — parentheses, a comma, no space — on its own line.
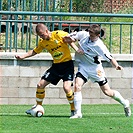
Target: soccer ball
(37,111)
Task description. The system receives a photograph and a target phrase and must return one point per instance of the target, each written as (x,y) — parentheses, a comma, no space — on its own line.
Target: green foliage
(21,5)
(88,6)
(100,118)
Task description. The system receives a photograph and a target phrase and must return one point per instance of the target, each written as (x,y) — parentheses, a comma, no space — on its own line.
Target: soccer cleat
(127,109)
(76,116)
(28,112)
(72,113)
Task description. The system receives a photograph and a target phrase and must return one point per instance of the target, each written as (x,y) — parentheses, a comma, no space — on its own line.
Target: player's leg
(103,83)
(69,95)
(47,78)
(79,82)
(116,96)
(40,93)
(67,75)
(78,97)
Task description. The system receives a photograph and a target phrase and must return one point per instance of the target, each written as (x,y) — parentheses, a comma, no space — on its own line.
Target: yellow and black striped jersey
(55,46)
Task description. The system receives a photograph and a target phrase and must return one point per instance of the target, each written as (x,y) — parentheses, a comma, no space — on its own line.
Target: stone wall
(18,81)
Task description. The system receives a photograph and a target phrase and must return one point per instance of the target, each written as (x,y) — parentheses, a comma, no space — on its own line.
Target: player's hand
(68,39)
(80,51)
(18,57)
(119,67)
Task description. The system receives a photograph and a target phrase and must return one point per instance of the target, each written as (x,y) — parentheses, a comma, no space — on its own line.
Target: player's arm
(115,64)
(75,47)
(28,54)
(104,52)
(68,39)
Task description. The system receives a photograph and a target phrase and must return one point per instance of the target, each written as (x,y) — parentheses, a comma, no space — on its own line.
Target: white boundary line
(12,113)
(83,113)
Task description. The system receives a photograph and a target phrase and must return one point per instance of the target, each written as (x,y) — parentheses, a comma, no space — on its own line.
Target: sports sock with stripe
(40,94)
(70,98)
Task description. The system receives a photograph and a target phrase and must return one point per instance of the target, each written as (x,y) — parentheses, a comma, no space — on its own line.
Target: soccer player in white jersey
(91,49)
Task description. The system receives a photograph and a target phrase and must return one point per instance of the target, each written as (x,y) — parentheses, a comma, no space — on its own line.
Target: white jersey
(89,64)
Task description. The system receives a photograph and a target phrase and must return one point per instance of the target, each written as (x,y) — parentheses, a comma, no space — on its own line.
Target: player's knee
(67,86)
(77,87)
(103,82)
(40,86)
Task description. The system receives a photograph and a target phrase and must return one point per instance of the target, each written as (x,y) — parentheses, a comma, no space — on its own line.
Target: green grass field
(100,118)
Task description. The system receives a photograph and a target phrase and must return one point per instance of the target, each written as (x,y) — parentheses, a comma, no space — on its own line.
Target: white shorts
(95,74)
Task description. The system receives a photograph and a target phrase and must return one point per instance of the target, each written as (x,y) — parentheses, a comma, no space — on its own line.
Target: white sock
(117,96)
(78,102)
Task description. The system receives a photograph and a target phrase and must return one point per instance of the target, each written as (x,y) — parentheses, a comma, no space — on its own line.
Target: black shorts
(81,76)
(58,71)
(101,83)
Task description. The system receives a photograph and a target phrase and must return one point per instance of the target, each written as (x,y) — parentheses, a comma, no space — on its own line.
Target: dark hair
(94,28)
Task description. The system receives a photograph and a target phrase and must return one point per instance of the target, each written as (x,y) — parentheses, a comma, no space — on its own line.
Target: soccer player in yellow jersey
(62,67)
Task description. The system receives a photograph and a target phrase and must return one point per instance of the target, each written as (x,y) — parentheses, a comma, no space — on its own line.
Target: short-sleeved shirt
(89,64)
(56,47)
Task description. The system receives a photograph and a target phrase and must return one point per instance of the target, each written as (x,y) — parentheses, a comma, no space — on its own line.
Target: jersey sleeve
(79,35)
(38,49)
(104,53)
